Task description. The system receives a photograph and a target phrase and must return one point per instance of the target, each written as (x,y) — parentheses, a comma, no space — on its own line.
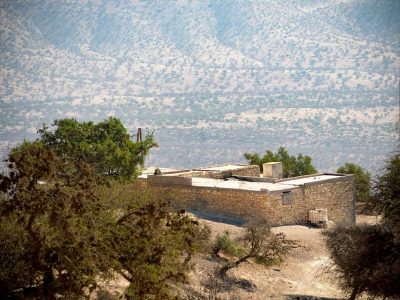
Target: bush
(274,251)
(225,244)
(366,259)
(387,195)
(260,244)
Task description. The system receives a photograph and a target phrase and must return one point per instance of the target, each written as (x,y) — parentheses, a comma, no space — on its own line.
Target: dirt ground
(306,273)
(302,273)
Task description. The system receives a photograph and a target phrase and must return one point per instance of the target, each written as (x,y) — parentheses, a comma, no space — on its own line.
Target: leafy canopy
(107,146)
(362,181)
(292,165)
(386,194)
(56,224)
(64,229)
(367,257)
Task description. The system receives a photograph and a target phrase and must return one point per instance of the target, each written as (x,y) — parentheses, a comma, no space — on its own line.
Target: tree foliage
(107,146)
(367,257)
(224,243)
(153,245)
(64,230)
(386,194)
(260,244)
(362,181)
(56,218)
(292,165)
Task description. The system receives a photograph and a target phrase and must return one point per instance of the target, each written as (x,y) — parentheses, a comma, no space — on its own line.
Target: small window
(286,198)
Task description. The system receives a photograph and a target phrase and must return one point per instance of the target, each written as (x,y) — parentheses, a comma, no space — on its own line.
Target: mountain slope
(212,77)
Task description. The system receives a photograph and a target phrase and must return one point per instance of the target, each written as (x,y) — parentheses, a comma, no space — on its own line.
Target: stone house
(238,193)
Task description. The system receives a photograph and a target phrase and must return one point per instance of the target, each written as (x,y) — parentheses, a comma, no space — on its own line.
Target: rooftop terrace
(208,177)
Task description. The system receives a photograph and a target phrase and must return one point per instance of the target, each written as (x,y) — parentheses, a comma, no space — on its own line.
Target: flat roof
(241,185)
(150,171)
(312,178)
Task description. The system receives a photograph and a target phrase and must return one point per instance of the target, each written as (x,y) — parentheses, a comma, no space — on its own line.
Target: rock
(276,269)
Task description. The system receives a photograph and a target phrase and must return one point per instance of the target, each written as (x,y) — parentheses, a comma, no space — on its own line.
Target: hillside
(214,79)
(304,275)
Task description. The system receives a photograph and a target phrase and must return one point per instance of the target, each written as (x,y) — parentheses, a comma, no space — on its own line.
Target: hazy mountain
(212,78)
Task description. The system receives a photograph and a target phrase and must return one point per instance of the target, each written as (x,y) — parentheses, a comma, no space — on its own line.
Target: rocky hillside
(213,78)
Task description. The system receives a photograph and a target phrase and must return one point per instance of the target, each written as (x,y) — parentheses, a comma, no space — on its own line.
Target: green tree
(153,246)
(50,205)
(64,229)
(367,257)
(107,145)
(260,243)
(386,195)
(292,165)
(362,182)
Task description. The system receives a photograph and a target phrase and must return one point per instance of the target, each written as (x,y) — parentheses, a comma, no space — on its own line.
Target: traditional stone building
(237,193)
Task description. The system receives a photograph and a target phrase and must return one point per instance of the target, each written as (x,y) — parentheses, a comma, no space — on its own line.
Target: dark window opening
(287,198)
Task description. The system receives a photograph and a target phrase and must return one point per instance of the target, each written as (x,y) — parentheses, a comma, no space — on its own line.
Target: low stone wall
(280,208)
(251,170)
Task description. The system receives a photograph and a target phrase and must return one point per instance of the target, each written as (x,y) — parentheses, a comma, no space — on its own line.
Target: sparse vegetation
(260,244)
(225,244)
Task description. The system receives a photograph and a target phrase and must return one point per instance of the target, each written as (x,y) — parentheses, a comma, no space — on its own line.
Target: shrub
(260,244)
(366,259)
(225,244)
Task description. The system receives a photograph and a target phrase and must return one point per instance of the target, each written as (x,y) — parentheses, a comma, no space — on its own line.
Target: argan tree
(64,229)
(367,257)
(153,246)
(386,195)
(106,146)
(292,165)
(362,183)
(51,226)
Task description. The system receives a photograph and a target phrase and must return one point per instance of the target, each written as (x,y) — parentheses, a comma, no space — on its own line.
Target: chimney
(272,170)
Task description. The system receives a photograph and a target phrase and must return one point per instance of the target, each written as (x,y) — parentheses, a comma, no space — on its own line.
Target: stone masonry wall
(251,170)
(337,196)
(238,206)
